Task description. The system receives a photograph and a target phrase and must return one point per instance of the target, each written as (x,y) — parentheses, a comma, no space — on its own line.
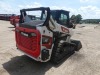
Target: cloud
(86,11)
(84,0)
(90,1)
(90,11)
(31,5)
(5,8)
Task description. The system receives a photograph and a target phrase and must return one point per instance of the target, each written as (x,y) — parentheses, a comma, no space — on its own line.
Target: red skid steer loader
(44,34)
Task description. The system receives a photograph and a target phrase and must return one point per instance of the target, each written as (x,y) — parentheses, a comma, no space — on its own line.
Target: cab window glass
(63,19)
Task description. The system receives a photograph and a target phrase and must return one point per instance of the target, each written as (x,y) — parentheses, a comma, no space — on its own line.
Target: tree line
(77,19)
(91,21)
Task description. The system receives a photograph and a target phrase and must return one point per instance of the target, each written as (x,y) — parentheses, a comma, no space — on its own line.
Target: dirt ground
(84,62)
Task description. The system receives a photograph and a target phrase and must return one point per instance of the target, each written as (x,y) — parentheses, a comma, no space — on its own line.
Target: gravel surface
(84,62)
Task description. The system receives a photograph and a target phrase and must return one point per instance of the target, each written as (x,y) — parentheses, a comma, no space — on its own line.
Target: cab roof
(41,8)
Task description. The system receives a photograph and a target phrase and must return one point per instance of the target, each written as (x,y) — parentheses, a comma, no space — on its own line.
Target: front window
(63,19)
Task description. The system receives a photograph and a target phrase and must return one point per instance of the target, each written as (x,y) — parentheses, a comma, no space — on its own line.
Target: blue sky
(87,8)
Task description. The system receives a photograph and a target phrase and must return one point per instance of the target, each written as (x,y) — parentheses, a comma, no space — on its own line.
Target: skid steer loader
(44,34)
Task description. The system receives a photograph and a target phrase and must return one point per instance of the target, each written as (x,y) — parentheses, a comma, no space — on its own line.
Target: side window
(63,19)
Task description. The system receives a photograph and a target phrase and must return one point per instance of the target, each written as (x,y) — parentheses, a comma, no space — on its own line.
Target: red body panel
(5,17)
(14,20)
(29,45)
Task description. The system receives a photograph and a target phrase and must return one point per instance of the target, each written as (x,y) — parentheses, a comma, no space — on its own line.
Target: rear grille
(27,42)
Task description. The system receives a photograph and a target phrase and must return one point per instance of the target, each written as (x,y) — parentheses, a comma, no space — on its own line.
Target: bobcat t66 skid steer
(45,34)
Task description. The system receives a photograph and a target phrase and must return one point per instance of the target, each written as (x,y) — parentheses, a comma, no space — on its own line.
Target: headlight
(45,40)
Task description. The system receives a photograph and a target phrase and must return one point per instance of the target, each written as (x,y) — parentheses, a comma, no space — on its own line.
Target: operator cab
(31,18)
(61,17)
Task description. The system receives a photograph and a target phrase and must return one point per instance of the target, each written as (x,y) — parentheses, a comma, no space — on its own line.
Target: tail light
(46,41)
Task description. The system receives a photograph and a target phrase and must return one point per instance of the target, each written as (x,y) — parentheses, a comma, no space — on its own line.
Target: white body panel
(44,31)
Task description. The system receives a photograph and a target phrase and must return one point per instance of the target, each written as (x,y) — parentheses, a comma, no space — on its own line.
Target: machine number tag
(24,34)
